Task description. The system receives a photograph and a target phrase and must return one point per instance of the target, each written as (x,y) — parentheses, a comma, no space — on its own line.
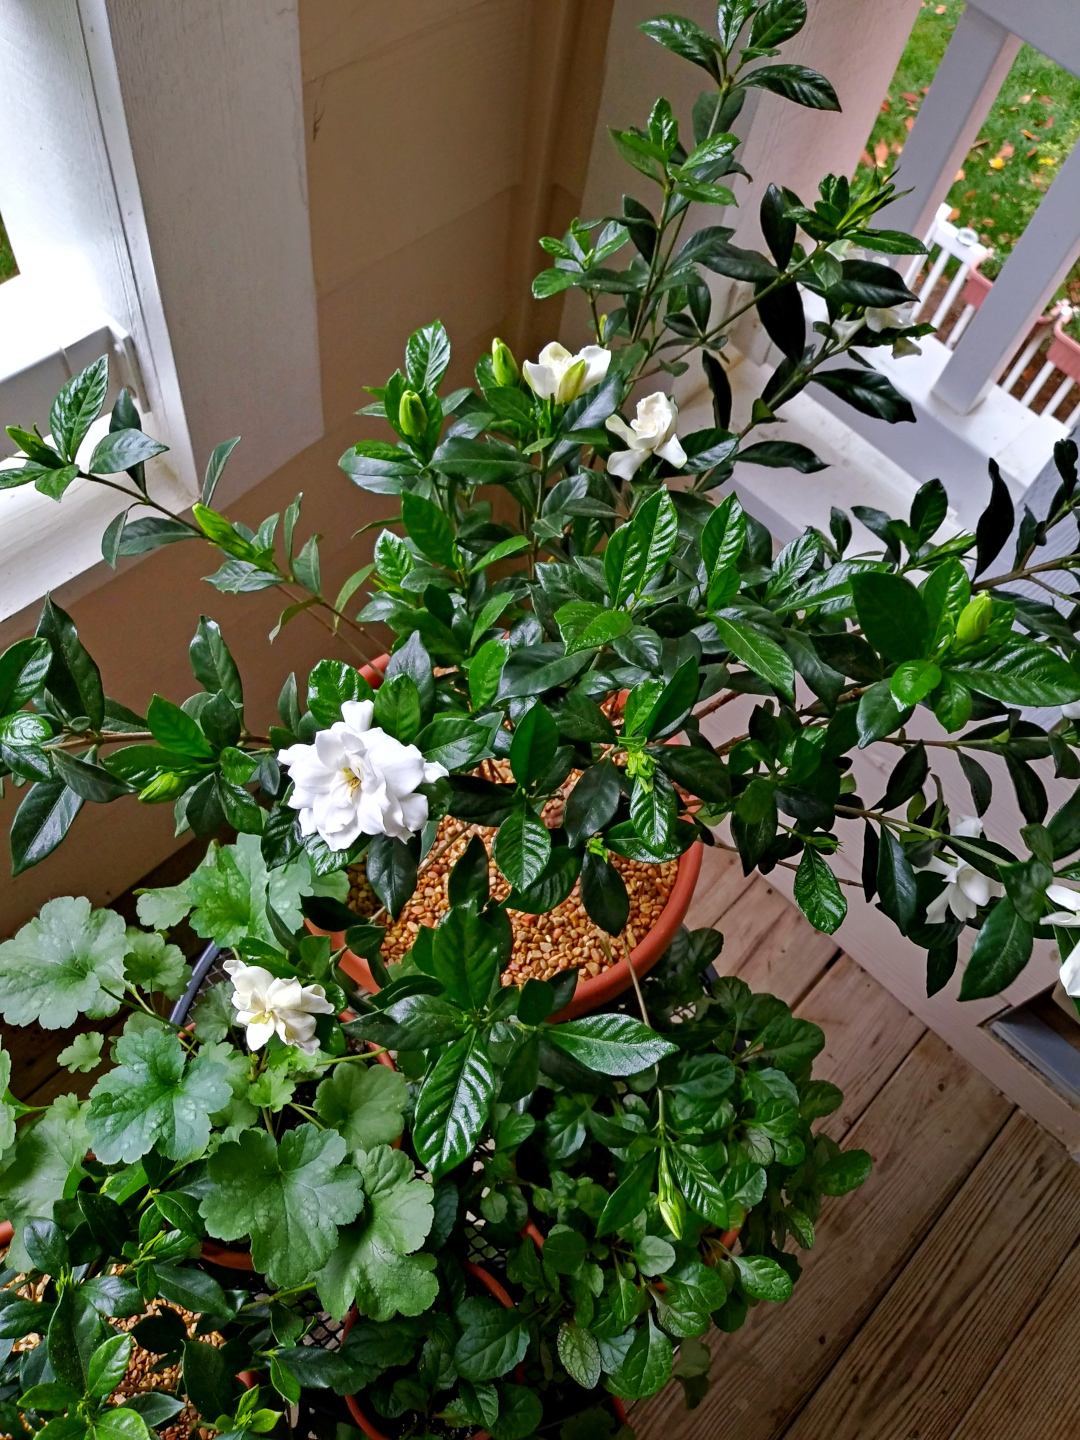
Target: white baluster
(966,85)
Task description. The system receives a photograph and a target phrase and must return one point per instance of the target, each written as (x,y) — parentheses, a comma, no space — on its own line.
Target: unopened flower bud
(671,1203)
(974,619)
(163,787)
(412,415)
(503,363)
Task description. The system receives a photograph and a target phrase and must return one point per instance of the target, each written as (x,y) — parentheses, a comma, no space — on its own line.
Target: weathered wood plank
(926,1130)
(1033,1394)
(923,1355)
(720,884)
(771,946)
(868,1034)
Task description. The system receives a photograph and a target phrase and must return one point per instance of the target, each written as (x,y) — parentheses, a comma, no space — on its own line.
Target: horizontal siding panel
(403,142)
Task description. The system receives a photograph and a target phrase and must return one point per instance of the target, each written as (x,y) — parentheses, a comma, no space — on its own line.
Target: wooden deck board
(720,884)
(926,1130)
(770,945)
(1034,1394)
(868,1034)
(923,1355)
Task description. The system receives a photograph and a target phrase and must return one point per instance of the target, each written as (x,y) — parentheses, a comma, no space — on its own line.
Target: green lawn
(1027,135)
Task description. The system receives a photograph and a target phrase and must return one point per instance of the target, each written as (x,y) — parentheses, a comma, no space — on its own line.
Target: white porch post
(1043,256)
(966,85)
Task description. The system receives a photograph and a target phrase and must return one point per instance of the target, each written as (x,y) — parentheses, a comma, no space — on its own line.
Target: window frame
(153,184)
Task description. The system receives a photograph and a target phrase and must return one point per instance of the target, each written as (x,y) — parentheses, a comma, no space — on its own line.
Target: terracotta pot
(591,992)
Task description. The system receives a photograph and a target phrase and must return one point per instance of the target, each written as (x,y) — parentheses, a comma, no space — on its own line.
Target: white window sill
(44,543)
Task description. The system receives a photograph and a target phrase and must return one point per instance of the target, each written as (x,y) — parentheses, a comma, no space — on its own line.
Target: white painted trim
(1048,25)
(153,177)
(1042,257)
(966,84)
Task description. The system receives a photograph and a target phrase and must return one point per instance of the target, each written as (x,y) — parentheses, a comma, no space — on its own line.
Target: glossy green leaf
(77,406)
(522,847)
(1002,948)
(453,1104)
(818,894)
(758,653)
(610,1044)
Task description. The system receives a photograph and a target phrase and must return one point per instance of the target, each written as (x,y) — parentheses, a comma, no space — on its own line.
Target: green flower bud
(672,1205)
(974,619)
(572,383)
(412,415)
(163,787)
(503,363)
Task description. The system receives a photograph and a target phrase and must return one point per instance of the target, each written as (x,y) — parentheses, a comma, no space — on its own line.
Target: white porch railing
(981,388)
(1045,369)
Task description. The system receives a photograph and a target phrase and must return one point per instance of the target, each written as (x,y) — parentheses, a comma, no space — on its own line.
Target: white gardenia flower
(967,888)
(1071,711)
(1068,913)
(651,432)
(562,377)
(892,317)
(844,329)
(267,1005)
(356,780)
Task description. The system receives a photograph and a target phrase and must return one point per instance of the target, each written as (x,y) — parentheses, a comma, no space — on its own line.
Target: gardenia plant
(666,1166)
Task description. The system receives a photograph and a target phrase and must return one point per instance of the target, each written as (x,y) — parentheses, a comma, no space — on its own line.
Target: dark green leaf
(895,882)
(783,455)
(453,1104)
(610,1044)
(818,894)
(995,524)
(867,391)
(493,1342)
(42,820)
(74,678)
(391,872)
(603,893)
(536,738)
(892,614)
(122,450)
(212,663)
(795,82)
(77,406)
(1002,948)
(23,668)
(429,528)
(758,653)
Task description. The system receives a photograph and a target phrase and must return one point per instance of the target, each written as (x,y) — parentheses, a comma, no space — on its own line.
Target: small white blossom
(562,377)
(846,250)
(966,888)
(651,432)
(892,317)
(267,1005)
(845,329)
(356,780)
(1068,913)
